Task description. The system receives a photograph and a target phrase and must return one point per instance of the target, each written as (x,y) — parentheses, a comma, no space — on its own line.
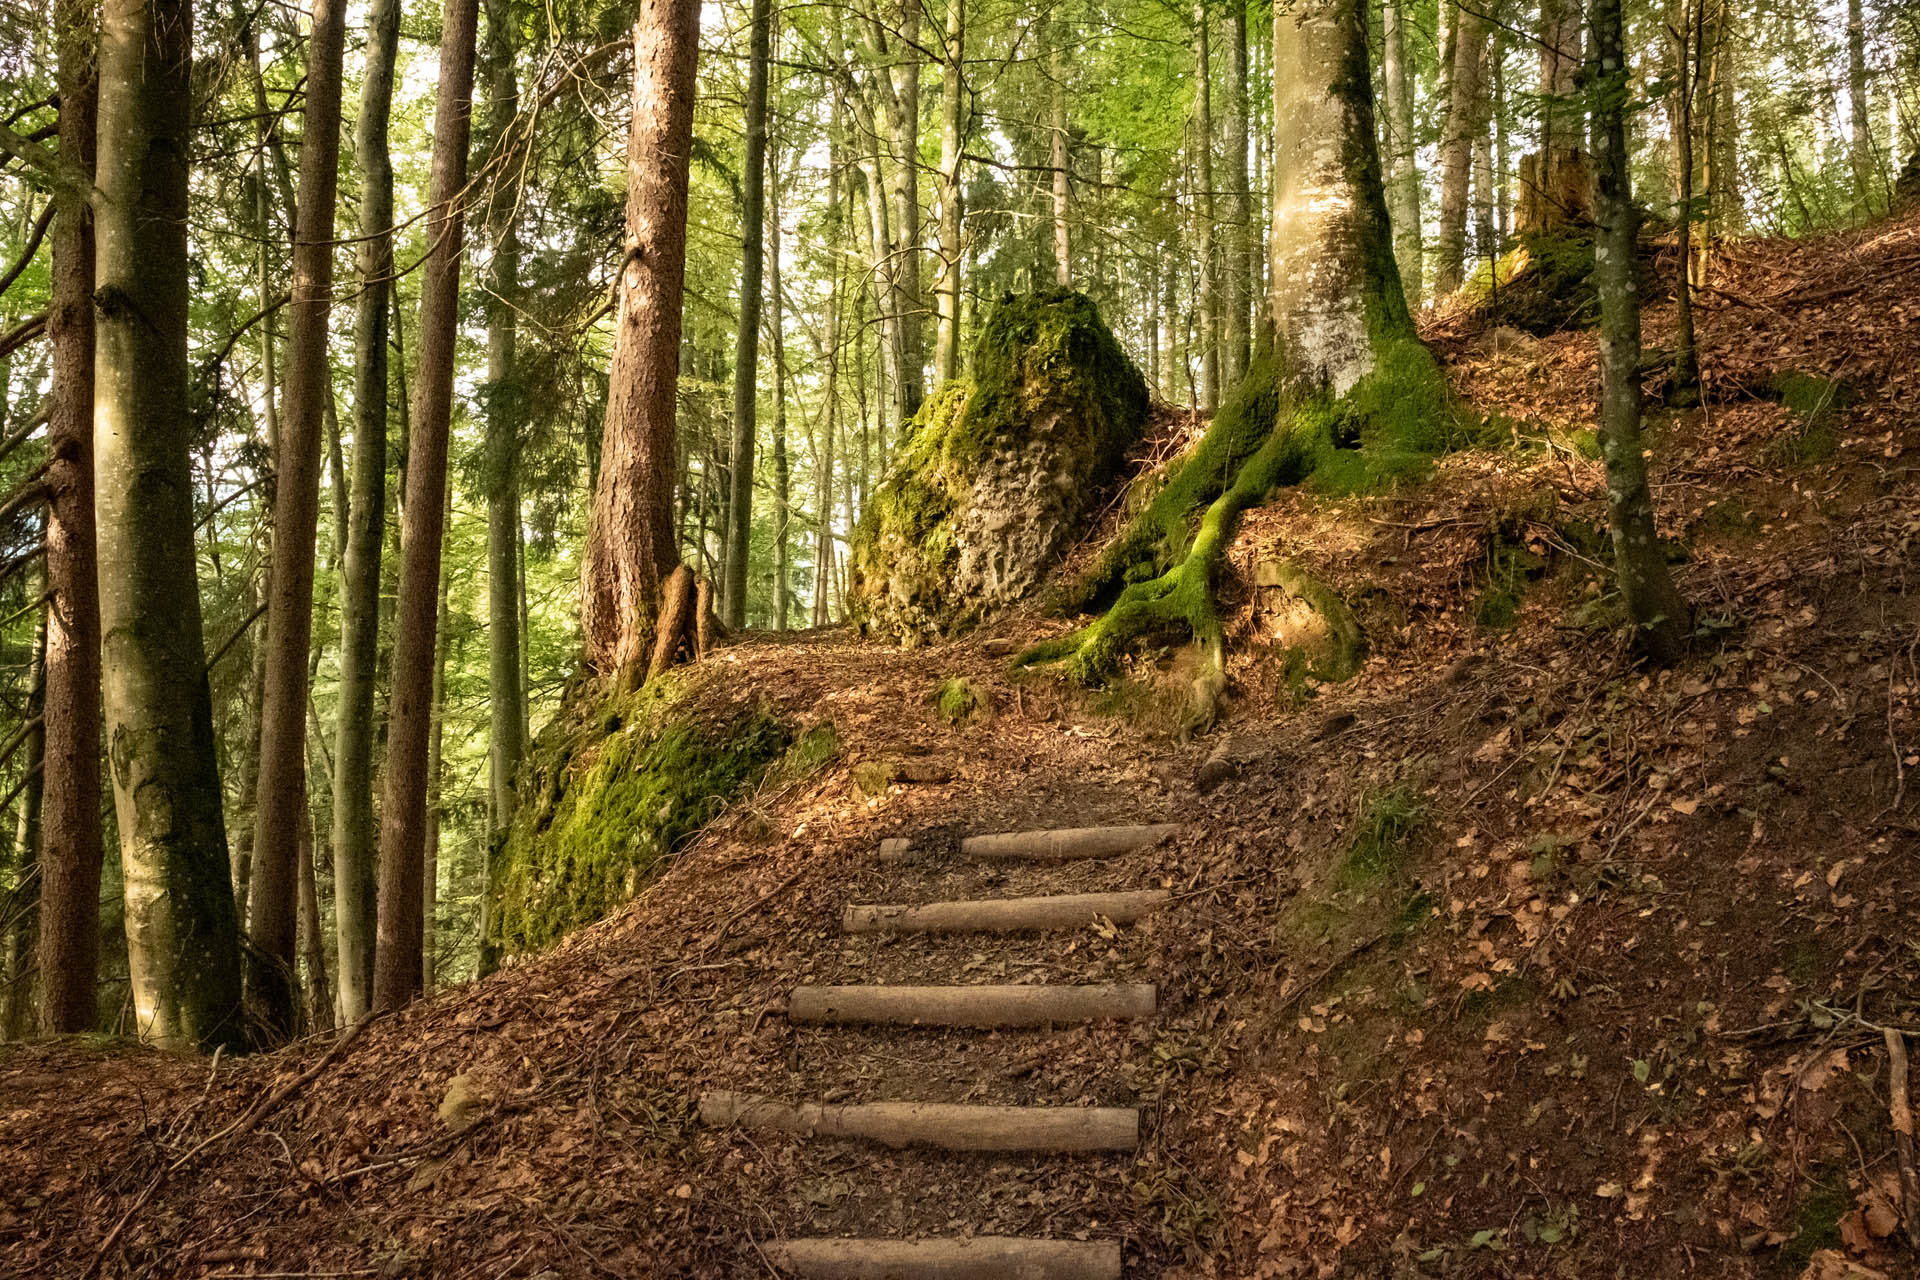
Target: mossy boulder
(998,470)
(614,786)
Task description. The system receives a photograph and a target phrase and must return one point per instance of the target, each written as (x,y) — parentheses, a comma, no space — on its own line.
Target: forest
(500,501)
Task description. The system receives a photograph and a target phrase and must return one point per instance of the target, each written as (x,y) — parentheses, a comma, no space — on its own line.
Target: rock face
(997,472)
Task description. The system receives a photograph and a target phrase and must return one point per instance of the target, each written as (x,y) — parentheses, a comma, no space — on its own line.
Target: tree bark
(1057,159)
(360,606)
(1463,120)
(1860,148)
(953,131)
(1236,346)
(24,902)
(746,343)
(319,1006)
(782,471)
(630,547)
(1658,614)
(504,411)
(280,803)
(430,864)
(397,976)
(1684,377)
(71,843)
(1402,172)
(1206,301)
(182,934)
(900,100)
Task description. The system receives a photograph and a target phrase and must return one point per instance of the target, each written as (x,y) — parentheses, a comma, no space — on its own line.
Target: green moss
(1384,431)
(1543,285)
(1383,841)
(614,792)
(1044,361)
(1814,405)
(957,701)
(1817,1223)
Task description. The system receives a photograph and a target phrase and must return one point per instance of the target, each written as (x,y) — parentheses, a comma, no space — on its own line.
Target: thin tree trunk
(360,604)
(25,902)
(504,400)
(1860,148)
(1236,347)
(746,343)
(319,1005)
(953,130)
(1456,150)
(280,803)
(1057,159)
(1403,174)
(396,969)
(901,103)
(1684,378)
(182,933)
(71,850)
(430,865)
(1200,144)
(782,475)
(1658,614)
(630,546)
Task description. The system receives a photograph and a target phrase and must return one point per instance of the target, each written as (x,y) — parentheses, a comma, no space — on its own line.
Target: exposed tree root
(1263,438)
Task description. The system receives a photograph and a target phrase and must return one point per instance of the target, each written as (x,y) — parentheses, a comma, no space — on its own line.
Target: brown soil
(1610,1007)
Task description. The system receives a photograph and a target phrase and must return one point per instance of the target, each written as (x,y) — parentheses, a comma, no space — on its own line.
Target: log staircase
(966,1127)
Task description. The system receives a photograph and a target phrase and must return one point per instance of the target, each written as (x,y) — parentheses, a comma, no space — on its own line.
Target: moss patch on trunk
(611,791)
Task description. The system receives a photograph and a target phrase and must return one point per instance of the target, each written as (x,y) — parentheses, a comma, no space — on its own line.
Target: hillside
(1500,958)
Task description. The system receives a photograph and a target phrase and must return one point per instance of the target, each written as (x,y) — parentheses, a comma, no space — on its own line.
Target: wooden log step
(980,1258)
(981,1006)
(1063,911)
(1067,842)
(946,1126)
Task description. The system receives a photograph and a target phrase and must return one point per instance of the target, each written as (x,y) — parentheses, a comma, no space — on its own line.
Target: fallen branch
(1902,1115)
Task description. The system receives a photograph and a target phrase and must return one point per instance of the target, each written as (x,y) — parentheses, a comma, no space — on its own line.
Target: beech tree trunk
(1206,302)
(782,472)
(630,547)
(403,819)
(280,798)
(183,944)
(953,131)
(1236,346)
(71,841)
(505,404)
(360,605)
(1655,609)
(1463,121)
(746,344)
(1402,173)
(1057,160)
(901,102)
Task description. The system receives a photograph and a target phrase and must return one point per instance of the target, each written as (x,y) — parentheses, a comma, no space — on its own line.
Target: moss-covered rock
(613,787)
(997,470)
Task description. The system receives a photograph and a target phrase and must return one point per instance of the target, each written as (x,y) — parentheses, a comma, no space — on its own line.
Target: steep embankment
(1499,958)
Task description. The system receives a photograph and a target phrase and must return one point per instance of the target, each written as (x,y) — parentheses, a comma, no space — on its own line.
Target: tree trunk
(1402,171)
(430,864)
(902,107)
(953,131)
(280,802)
(1726,212)
(504,403)
(1456,149)
(1057,159)
(1200,144)
(396,970)
(182,934)
(71,844)
(782,473)
(1869,192)
(319,1007)
(746,343)
(1236,346)
(360,605)
(630,545)
(24,902)
(1683,383)
(1658,614)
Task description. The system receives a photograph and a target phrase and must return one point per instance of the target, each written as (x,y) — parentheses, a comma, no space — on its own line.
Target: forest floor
(1503,958)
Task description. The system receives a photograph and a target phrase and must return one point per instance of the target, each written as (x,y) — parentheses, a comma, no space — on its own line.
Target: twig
(245,1124)
(1352,954)
(1902,1116)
